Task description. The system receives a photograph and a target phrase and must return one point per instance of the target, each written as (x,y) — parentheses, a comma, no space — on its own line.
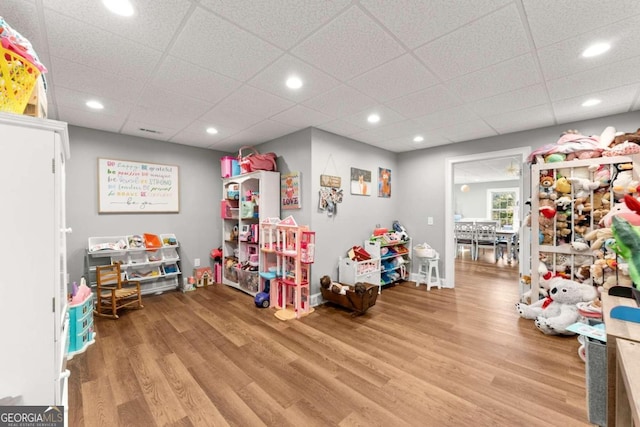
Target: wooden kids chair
(114,293)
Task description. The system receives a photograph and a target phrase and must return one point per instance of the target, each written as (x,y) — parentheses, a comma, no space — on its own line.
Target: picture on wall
(384,182)
(137,187)
(360,182)
(290,190)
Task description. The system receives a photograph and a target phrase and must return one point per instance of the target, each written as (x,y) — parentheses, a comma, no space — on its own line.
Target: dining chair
(486,237)
(464,236)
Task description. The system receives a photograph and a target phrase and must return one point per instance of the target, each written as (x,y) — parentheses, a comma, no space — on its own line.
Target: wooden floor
(447,357)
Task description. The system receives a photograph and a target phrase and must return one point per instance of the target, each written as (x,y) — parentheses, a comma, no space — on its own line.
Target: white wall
(473,204)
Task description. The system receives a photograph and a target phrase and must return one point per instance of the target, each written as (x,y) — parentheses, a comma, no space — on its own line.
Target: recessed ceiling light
(294,82)
(373,118)
(591,102)
(418,139)
(95,105)
(596,49)
(119,7)
(212,131)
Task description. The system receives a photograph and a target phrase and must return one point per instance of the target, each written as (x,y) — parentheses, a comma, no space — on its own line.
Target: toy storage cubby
(158,268)
(568,201)
(395,259)
(248,199)
(294,250)
(351,271)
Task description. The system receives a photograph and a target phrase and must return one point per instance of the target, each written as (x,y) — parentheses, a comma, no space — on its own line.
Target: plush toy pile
(559,309)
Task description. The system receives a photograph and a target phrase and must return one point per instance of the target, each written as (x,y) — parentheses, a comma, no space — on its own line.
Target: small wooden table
(617,332)
(628,383)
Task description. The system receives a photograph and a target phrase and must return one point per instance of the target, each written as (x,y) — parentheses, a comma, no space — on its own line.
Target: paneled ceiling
(449,71)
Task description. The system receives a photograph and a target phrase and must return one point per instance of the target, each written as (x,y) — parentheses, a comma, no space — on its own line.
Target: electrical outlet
(196,262)
(429,220)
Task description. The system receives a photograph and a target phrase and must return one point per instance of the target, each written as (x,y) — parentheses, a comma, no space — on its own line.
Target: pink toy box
(229,166)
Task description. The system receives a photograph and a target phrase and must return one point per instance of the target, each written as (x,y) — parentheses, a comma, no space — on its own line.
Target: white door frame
(450,249)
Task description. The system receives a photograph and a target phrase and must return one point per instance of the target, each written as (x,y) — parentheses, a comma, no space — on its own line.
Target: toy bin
(248,280)
(19,78)
(226,166)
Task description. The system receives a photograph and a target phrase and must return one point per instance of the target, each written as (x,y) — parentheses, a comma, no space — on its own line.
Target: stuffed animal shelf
(559,310)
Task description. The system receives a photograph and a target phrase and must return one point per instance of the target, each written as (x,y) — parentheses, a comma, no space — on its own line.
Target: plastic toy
(262,298)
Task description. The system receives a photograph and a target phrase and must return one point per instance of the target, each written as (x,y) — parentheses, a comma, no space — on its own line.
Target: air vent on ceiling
(149,130)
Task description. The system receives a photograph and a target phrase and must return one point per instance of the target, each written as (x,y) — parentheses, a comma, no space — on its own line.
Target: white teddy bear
(559,310)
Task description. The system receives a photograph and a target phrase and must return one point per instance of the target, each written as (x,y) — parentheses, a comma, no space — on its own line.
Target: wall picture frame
(126,186)
(360,182)
(290,191)
(384,182)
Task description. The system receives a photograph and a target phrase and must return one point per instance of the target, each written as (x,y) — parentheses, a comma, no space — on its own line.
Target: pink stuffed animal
(620,210)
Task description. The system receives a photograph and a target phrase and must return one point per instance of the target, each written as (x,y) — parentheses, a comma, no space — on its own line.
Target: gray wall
(473,204)
(196,225)
(417,188)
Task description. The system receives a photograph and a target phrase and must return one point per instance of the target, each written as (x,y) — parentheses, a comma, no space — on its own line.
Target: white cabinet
(248,199)
(157,267)
(33,293)
(350,271)
(568,200)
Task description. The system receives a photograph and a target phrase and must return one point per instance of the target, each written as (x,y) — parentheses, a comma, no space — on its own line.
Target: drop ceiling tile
(80,42)
(232,121)
(272,79)
(394,79)
(450,116)
(598,79)
(21,16)
(153,25)
(195,136)
(340,102)
(551,21)
(220,46)
(71,75)
(175,115)
(500,78)
(417,21)
(255,102)
(406,128)
(349,45)
(424,102)
(528,118)
(76,100)
(471,130)
(489,40)
(636,105)
(268,129)
(283,23)
(135,128)
(387,117)
(340,127)
(565,58)
(613,101)
(180,77)
(518,99)
(158,98)
(301,117)
(90,119)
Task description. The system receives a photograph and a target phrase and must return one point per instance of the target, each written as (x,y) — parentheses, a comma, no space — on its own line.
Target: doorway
(483,160)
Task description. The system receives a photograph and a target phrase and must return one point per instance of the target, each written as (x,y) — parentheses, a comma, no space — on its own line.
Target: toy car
(262,300)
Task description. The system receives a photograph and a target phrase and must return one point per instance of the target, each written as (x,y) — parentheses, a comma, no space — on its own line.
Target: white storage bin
(107,244)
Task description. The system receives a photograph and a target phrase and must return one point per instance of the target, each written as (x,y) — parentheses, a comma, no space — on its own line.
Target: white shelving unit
(34,290)
(248,199)
(395,261)
(158,270)
(553,239)
(350,272)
